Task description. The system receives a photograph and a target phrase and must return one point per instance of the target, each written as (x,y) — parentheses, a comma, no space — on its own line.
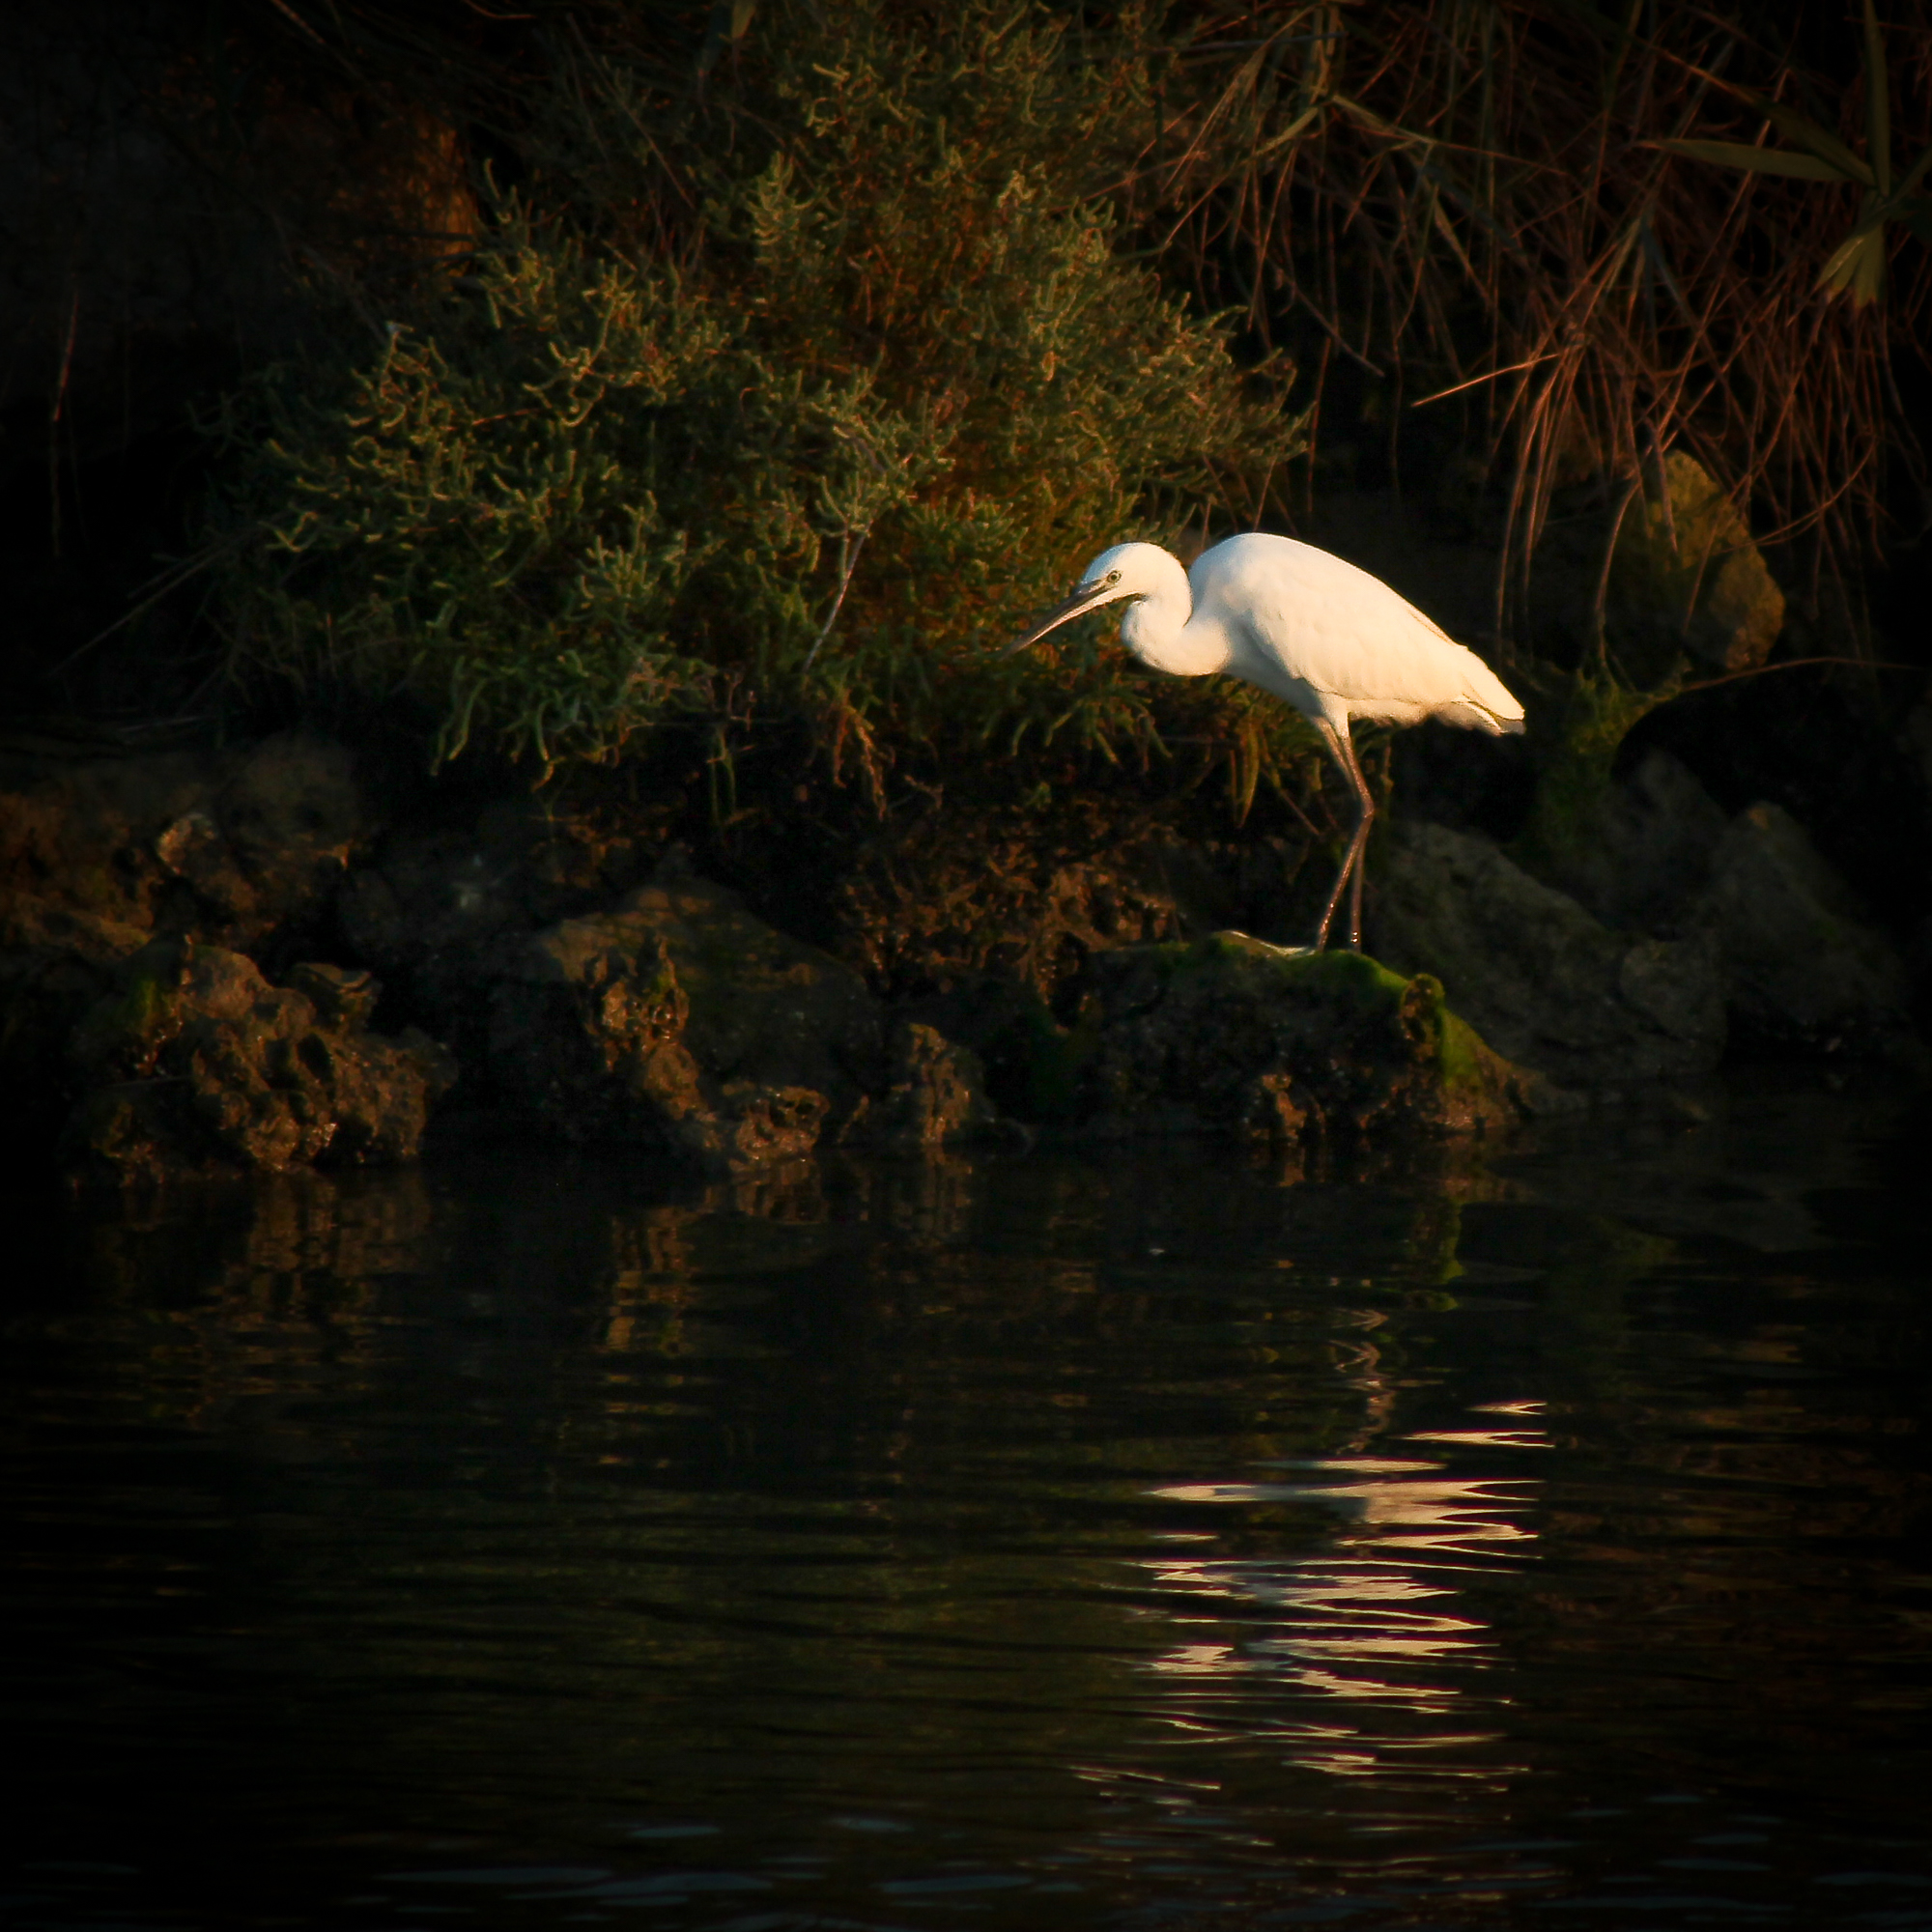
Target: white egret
(1307,627)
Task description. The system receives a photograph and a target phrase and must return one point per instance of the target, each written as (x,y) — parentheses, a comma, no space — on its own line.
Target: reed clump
(1573,240)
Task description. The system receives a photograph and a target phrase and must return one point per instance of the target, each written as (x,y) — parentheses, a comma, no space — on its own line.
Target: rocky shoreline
(216,961)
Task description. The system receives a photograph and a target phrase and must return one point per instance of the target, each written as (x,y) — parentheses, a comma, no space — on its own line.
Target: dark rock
(762,1006)
(342,996)
(244,848)
(1686,577)
(56,961)
(192,849)
(82,833)
(445,905)
(263,855)
(937,1094)
(258,853)
(435,897)
(1013,1035)
(195,1064)
(293,814)
(940,901)
(1803,963)
(1233,1034)
(1536,975)
(1643,854)
(442,890)
(678,1020)
(100,853)
(594,1044)
(673,1019)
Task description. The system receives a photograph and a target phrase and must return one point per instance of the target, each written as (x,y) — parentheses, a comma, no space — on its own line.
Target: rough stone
(937,1094)
(429,897)
(292,813)
(342,996)
(933,904)
(262,846)
(1643,854)
(55,962)
(247,848)
(100,853)
(1231,1035)
(1686,576)
(445,910)
(1803,963)
(679,1020)
(192,849)
(1540,978)
(195,1064)
(438,894)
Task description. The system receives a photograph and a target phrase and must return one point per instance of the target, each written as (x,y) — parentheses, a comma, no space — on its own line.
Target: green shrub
(812,457)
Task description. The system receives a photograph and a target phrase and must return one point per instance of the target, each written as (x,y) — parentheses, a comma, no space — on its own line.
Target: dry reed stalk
(1471,202)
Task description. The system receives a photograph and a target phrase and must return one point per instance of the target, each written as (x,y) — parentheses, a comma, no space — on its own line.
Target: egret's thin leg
(1334,744)
(1361,872)
(1343,751)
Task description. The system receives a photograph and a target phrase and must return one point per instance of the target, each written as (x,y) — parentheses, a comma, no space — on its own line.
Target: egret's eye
(1113,576)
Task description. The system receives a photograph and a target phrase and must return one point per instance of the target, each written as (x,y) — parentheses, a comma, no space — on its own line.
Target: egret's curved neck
(1163,629)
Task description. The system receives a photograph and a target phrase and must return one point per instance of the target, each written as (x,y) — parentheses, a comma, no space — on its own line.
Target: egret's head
(1128,570)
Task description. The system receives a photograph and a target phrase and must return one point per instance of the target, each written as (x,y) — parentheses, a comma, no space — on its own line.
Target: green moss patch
(1228,1033)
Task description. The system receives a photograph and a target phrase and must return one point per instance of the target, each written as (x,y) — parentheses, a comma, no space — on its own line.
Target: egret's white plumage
(1307,627)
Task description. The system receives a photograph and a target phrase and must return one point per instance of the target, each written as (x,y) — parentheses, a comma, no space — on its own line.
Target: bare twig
(849,547)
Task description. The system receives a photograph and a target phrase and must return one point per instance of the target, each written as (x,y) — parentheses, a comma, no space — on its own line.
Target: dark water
(1126,1539)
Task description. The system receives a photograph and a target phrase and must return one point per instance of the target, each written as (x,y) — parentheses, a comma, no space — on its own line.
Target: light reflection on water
(1374,1621)
(1074,1540)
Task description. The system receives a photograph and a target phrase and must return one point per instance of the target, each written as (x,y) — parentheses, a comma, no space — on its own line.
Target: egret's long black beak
(1088,597)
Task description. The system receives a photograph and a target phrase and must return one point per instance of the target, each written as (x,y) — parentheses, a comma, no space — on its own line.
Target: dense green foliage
(811,454)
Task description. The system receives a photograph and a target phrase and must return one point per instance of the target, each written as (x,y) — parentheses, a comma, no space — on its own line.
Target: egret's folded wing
(1343,632)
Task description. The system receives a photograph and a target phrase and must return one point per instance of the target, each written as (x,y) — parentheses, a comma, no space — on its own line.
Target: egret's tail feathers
(1487,701)
(1475,717)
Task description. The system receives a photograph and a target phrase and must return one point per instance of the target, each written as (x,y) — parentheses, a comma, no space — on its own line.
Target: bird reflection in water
(1378,1624)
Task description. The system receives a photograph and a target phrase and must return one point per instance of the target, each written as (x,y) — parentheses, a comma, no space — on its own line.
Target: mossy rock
(1577,721)
(1231,1035)
(1686,578)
